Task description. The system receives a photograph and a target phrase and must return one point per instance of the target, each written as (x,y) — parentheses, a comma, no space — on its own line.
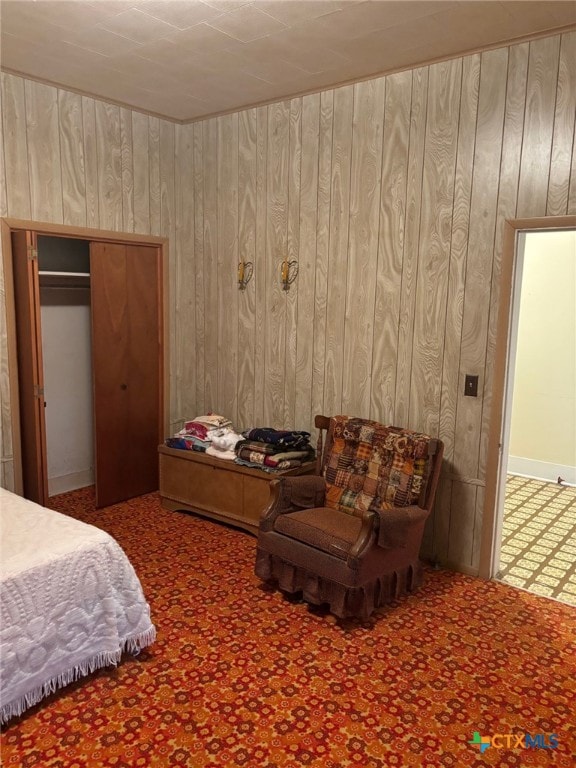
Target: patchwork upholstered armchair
(350,536)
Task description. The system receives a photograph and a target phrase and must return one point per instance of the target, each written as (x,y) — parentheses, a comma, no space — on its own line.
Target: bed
(70,603)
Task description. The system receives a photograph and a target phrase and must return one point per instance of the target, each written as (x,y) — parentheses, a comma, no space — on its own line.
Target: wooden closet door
(30,368)
(127,369)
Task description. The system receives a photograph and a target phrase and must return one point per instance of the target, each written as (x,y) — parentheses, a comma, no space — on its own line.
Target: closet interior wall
(64,267)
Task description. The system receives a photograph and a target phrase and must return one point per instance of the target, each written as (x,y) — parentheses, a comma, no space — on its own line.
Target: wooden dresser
(218,489)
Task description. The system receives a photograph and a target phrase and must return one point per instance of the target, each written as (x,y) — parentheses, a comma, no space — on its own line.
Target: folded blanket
(271,460)
(210,421)
(293,439)
(299,457)
(254,445)
(205,427)
(283,465)
(186,443)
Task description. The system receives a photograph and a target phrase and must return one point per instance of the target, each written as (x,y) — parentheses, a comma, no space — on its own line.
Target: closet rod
(68,286)
(59,273)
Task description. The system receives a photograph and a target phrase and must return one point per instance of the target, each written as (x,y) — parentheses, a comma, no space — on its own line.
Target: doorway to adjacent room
(536,508)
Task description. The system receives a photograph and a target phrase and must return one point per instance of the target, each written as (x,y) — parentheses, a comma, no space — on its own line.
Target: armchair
(350,536)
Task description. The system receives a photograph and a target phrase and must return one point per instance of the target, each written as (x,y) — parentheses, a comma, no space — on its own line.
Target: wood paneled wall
(391,194)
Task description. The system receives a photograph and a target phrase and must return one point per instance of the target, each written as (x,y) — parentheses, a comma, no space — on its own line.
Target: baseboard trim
(541,470)
(71,482)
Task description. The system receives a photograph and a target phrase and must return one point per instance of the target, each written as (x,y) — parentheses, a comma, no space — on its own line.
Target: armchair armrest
(365,536)
(395,523)
(288,494)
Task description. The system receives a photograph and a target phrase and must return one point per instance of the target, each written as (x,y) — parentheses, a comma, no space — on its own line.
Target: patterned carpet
(240,676)
(539,538)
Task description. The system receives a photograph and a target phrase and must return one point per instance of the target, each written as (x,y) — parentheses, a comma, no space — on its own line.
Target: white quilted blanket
(70,602)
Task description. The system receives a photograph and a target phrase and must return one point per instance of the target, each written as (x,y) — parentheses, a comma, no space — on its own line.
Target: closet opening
(65,319)
(87,337)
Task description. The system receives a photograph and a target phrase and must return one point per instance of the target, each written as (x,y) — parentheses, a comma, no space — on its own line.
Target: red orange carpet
(240,676)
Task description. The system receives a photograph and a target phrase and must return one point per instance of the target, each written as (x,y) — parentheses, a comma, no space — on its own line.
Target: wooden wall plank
(338,248)
(563,134)
(390,245)
(154,207)
(127,170)
(15,154)
(3,193)
(506,208)
(456,294)
(227,307)
(109,165)
(90,162)
(461,534)
(419,101)
(210,265)
(140,157)
(363,245)
(459,251)
(436,539)
(43,152)
(200,308)
(474,563)
(166,149)
(166,168)
(539,125)
(72,157)
(247,253)
(304,286)
(293,254)
(326,129)
(487,157)
(276,250)
(261,265)
(184,363)
(434,248)
(43,143)
(517,74)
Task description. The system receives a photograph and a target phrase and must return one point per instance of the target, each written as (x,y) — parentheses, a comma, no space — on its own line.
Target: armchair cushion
(326,529)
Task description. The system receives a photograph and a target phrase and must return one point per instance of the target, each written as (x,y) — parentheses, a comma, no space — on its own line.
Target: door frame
(9,225)
(492,522)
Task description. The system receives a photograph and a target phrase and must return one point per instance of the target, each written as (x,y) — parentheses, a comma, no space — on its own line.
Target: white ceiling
(189,59)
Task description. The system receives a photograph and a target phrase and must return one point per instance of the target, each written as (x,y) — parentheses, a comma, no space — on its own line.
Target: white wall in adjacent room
(543,427)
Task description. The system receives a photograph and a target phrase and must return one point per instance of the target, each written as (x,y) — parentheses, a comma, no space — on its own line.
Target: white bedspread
(70,602)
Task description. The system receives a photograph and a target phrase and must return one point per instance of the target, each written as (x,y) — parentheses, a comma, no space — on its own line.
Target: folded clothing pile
(210,433)
(273,449)
(223,444)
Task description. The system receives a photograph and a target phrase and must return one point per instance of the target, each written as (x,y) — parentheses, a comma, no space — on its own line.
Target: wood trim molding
(487,566)
(5,239)
(85,233)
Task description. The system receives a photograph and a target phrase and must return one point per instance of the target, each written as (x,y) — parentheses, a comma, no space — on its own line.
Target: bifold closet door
(127,369)
(30,369)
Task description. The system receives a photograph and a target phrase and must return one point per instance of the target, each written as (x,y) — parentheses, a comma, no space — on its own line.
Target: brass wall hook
(289,273)
(245,272)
